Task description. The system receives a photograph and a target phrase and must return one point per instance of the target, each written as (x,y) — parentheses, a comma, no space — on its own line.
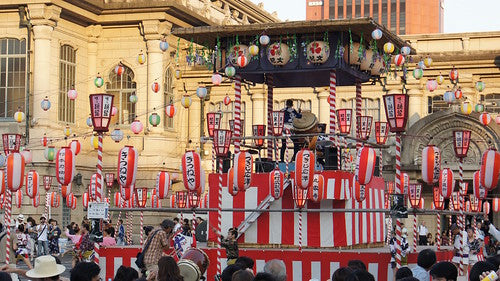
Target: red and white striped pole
(142,228)
(438,234)
(7,220)
(287,131)
(237,113)
(119,217)
(450,222)
(98,188)
(213,159)
(300,230)
(415,233)
(461,268)
(399,191)
(96,253)
(46,212)
(270,86)
(219,218)
(359,101)
(333,114)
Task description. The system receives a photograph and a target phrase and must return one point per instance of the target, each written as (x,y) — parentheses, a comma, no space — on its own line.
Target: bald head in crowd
(277,269)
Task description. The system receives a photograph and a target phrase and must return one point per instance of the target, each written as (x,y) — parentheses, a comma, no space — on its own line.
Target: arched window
(370,107)
(12,76)
(67,75)
(436,103)
(122,87)
(168,96)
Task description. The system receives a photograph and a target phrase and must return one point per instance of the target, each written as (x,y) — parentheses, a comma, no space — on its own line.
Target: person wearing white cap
(46,269)
(20,220)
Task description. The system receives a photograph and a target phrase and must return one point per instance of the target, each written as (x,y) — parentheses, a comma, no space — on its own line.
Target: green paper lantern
(479,108)
(154,119)
(98,81)
(418,73)
(133,98)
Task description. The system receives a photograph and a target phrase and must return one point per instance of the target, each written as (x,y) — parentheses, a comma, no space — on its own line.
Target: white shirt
(422,230)
(177,227)
(42,230)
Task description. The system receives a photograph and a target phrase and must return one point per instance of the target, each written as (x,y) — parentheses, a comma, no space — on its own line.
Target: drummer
(230,243)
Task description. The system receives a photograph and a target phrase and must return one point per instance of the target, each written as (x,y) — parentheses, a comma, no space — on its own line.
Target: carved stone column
(258,106)
(324,108)
(415,109)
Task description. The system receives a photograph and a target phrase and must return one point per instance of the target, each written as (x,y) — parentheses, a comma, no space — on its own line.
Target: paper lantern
(378,65)
(377,34)
(201,92)
(475,203)
(381,132)
(490,169)
(455,201)
(230,71)
(213,122)
(222,141)
(458,93)
(486,207)
(316,190)
(446,182)
(264,40)
(154,119)
(45,104)
(399,60)
(2,183)
(85,200)
(431,85)
(243,61)
(66,189)
(50,153)
(449,97)
(485,118)
(193,200)
(133,98)
(155,87)
(344,118)
(497,119)
(299,196)
(110,178)
(418,73)
(186,101)
(15,171)
(365,165)
(216,79)
(405,183)
(276,181)
(358,191)
(27,155)
(163,45)
(127,192)
(127,166)
(235,52)
(191,170)
(141,197)
(454,74)
(278,54)
(94,193)
(431,164)
(353,56)
(440,79)
(259,131)
(100,110)
(11,143)
(438,199)
(19,116)
(243,164)
(461,141)
(65,165)
(178,73)
(466,108)
(388,48)
(479,108)
(55,199)
(163,183)
(479,191)
(44,141)
(480,86)
(89,121)
(318,52)
(18,198)
(414,195)
(155,202)
(36,201)
(173,204)
(117,135)
(364,127)
(277,122)
(405,50)
(428,62)
(119,69)
(367,61)
(304,168)
(136,126)
(72,94)
(396,111)
(67,131)
(181,199)
(227,100)
(231,188)
(32,182)
(141,57)
(170,110)
(47,182)
(495,203)
(98,81)
(75,146)
(253,50)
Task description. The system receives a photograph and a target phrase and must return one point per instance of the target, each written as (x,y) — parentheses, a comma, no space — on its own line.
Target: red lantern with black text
(231,188)
(431,164)
(65,190)
(47,182)
(155,201)
(381,132)
(479,191)
(11,143)
(405,183)
(486,207)
(277,122)
(358,190)
(276,181)
(110,178)
(75,146)
(490,169)
(446,182)
(304,168)
(163,184)
(475,203)
(181,199)
(243,164)
(259,131)
(191,170)
(85,200)
(344,118)
(222,141)
(65,165)
(100,109)
(141,196)
(396,111)
(127,192)
(455,201)
(55,199)
(193,199)
(18,198)
(299,196)
(461,141)
(414,195)
(32,183)
(36,201)
(15,171)
(495,204)
(213,122)
(438,199)
(365,165)
(127,166)
(317,189)
(364,126)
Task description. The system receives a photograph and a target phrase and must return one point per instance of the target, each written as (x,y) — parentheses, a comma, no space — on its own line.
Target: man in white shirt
(422,234)
(177,226)
(43,243)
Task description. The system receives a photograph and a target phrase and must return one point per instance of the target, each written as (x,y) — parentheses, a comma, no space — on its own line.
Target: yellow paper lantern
(466,108)
(388,48)
(94,142)
(186,101)
(67,131)
(19,116)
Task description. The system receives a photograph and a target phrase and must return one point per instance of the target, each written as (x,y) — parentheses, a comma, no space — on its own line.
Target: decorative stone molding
(43,32)
(93,32)
(41,14)
(155,30)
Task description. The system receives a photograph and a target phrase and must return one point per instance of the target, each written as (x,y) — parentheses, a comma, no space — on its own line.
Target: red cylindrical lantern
(15,171)
(358,191)
(127,192)
(193,199)
(213,122)
(93,187)
(110,178)
(479,191)
(75,146)
(100,109)
(276,181)
(486,207)
(181,199)
(127,166)
(365,165)
(47,182)
(405,183)
(438,199)
(36,200)
(141,195)
(317,189)
(414,195)
(277,122)
(231,187)
(191,170)
(344,119)
(446,182)
(461,141)
(455,201)
(155,202)
(243,164)
(11,143)
(381,132)
(85,199)
(44,141)
(55,199)
(173,204)
(118,199)
(2,182)
(495,205)
(299,196)
(490,169)
(364,127)
(222,141)
(163,184)
(32,183)
(65,165)
(304,168)
(259,131)
(69,199)
(396,111)
(19,198)
(431,164)
(65,190)
(475,203)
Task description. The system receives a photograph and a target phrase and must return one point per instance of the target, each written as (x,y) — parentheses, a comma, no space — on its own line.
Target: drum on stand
(193,264)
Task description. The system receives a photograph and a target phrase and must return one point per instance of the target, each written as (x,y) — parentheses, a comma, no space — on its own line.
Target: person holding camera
(158,241)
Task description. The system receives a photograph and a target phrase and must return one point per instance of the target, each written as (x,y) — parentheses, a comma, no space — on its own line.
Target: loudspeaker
(331,159)
(264,165)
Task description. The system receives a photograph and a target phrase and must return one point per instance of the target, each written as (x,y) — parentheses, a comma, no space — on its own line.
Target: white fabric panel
(348,223)
(326,228)
(330,188)
(275,222)
(118,262)
(316,270)
(333,267)
(364,221)
(373,269)
(251,203)
(259,265)
(296,271)
(227,217)
(372,215)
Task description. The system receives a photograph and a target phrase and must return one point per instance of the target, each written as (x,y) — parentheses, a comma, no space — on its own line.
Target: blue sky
(459,15)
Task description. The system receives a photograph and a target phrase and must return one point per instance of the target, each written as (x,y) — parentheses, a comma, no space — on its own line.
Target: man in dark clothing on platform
(290,114)
(201,230)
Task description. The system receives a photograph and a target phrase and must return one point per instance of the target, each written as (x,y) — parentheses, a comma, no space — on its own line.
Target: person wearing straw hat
(46,269)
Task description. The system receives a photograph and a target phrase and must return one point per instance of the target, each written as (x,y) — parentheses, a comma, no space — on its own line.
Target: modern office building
(400,16)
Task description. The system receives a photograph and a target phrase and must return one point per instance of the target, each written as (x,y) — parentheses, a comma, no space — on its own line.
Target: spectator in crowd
(168,270)
(120,240)
(227,273)
(4,276)
(409,278)
(53,236)
(359,274)
(178,225)
(33,235)
(46,269)
(341,273)
(430,241)
(474,246)
(425,260)
(22,250)
(246,262)
(242,275)
(422,234)
(125,273)
(276,268)
(478,268)
(263,276)
(403,272)
(107,240)
(86,246)
(457,238)
(445,240)
(356,264)
(42,238)
(495,260)
(85,271)
(186,228)
(444,271)
(159,241)
(201,230)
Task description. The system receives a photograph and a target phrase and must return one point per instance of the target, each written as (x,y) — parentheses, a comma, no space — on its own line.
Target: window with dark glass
(375,10)
(384,12)
(358,7)
(402,17)
(122,87)
(349,9)
(12,76)
(393,16)
(340,9)
(67,77)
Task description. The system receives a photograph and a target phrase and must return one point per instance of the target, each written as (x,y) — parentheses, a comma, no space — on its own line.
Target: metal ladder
(252,217)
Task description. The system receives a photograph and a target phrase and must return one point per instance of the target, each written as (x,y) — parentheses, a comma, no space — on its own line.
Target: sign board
(97,210)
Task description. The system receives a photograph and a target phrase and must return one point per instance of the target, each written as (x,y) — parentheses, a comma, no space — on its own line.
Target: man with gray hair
(157,242)
(276,268)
